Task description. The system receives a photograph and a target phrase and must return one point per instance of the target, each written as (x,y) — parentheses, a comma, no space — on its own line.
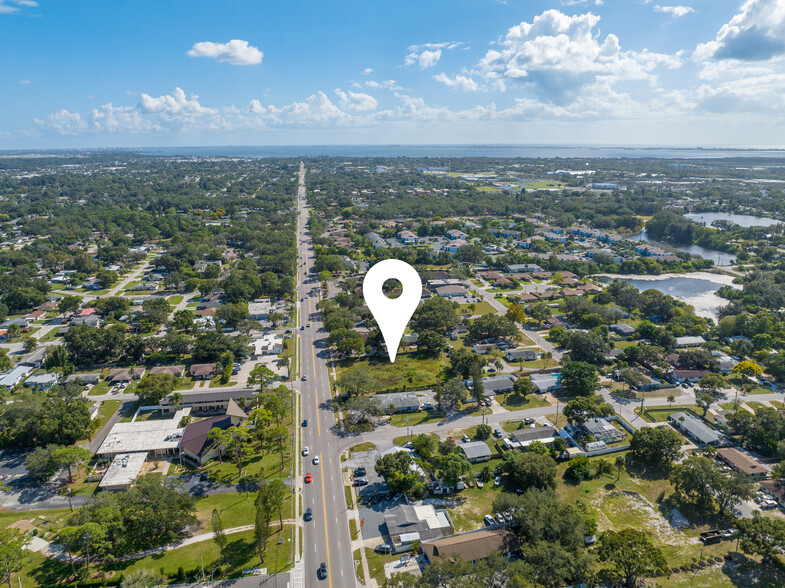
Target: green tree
(235,441)
(530,470)
(261,375)
(398,473)
(712,383)
(580,409)
(704,399)
(453,393)
(143,578)
(431,342)
(69,304)
(12,553)
(218,532)
(579,378)
(71,457)
(539,312)
(655,446)
(358,380)
(523,386)
(484,431)
(632,556)
(452,466)
(41,464)
(154,388)
(464,362)
(761,536)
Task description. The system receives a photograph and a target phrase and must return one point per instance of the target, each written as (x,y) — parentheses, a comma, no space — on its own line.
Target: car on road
(301,299)
(308,514)
(489,520)
(308,478)
(305,378)
(316,460)
(306,450)
(305,423)
(359,472)
(497,481)
(361,482)
(308,325)
(322,571)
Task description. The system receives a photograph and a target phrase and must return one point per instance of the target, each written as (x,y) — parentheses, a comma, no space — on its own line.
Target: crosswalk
(298,575)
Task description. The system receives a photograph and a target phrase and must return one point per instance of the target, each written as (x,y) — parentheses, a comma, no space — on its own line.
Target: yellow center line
(326,538)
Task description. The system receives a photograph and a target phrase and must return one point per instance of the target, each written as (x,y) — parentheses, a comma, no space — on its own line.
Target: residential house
(203,371)
(42,381)
(689,341)
(546,382)
(35,358)
(89,378)
(623,329)
(450,291)
(125,375)
(602,430)
(15,375)
(518,354)
(696,430)
(522,438)
(476,451)
(398,402)
(176,371)
(406,524)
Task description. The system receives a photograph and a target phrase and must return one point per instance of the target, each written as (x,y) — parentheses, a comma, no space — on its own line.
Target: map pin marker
(392,314)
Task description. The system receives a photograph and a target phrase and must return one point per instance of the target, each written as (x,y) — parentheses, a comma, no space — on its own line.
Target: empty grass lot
(411,370)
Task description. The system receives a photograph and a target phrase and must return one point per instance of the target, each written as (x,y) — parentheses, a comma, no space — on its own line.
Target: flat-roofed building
(207,402)
(122,472)
(159,437)
(406,524)
(268,344)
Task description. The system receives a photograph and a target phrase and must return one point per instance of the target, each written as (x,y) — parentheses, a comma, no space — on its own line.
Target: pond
(697,289)
(743,220)
(718,257)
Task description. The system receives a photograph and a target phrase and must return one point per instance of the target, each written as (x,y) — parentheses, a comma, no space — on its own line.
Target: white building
(268,344)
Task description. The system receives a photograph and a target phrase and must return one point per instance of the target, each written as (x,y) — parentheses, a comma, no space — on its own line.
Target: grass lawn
(236,509)
(660,415)
(108,408)
(416,418)
(100,389)
(540,185)
(410,370)
(226,472)
(241,555)
(8,517)
(288,348)
(376,563)
(476,308)
(50,336)
(472,505)
(365,446)
(174,300)
(186,383)
(736,381)
(513,401)
(216,383)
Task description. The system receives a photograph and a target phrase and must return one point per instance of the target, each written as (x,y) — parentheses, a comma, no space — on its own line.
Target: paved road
(538,340)
(326,537)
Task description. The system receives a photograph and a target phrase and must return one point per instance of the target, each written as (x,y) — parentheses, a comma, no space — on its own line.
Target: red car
(451,440)
(307,478)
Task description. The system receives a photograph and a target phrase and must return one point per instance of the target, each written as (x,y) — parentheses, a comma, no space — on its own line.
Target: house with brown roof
(196,444)
(743,462)
(472,546)
(173,370)
(203,371)
(120,375)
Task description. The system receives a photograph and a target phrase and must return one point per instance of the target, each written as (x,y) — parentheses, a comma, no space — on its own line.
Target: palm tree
(176,399)
(671,399)
(546,357)
(498,365)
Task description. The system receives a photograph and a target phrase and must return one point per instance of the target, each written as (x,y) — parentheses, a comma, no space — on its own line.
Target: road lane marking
(326,538)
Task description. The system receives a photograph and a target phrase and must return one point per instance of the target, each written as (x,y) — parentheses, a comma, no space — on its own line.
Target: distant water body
(528,151)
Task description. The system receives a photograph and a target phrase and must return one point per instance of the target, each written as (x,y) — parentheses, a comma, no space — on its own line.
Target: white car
(316,460)
(306,450)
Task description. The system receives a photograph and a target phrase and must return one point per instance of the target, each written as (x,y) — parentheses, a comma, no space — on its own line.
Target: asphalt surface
(326,537)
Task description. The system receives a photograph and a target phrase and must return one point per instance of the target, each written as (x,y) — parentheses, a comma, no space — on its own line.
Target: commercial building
(473,546)
(416,523)
(268,344)
(207,402)
(122,472)
(157,437)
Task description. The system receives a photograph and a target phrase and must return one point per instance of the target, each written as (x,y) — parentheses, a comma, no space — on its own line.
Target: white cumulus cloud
(556,55)
(176,103)
(236,52)
(458,82)
(755,33)
(429,54)
(356,101)
(674,11)
(9,6)
(64,122)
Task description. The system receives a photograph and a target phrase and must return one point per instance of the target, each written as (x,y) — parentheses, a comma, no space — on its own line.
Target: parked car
(497,481)
(465,439)
(427,406)
(489,520)
(359,472)
(383,548)
(361,482)
(499,518)
(480,483)
(528,421)
(498,433)
(308,514)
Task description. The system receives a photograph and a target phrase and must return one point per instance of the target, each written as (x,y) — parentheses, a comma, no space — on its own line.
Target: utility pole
(201,558)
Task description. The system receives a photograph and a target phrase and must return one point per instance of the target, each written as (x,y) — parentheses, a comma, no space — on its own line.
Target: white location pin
(392,314)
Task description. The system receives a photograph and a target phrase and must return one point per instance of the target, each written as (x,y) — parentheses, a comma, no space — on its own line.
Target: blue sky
(80,73)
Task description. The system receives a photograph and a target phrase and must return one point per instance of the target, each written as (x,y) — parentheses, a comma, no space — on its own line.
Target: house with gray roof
(476,451)
(696,430)
(406,524)
(398,402)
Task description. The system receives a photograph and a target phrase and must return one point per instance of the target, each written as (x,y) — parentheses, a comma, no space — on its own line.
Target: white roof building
(160,436)
(125,468)
(268,344)
(12,377)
